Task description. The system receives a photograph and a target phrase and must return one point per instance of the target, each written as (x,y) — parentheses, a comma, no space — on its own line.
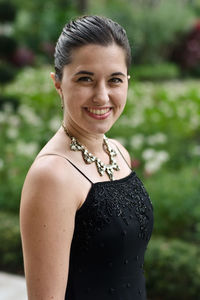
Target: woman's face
(94,88)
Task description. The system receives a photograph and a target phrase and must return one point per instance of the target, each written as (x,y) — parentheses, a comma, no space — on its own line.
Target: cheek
(120,97)
(80,94)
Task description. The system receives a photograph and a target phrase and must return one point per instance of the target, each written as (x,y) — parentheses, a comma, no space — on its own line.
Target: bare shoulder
(47,214)
(122,149)
(46,177)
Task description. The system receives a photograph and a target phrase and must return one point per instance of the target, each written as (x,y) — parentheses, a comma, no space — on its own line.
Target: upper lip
(97,107)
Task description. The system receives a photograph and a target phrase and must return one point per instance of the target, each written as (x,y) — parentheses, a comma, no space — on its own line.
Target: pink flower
(135,163)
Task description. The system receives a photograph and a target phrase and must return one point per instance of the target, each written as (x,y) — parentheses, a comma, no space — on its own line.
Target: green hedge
(172,270)
(176,199)
(156,72)
(153,27)
(10,246)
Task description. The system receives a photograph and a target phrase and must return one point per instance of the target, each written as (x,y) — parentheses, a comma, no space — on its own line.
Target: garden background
(160,125)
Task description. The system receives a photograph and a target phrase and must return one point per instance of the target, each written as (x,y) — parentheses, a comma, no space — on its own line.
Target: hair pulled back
(88,30)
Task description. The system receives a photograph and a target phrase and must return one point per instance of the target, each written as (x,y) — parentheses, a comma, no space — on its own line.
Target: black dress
(112,230)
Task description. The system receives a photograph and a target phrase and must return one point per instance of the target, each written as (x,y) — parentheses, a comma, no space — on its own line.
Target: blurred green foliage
(10,246)
(175,195)
(39,23)
(152,26)
(156,72)
(172,269)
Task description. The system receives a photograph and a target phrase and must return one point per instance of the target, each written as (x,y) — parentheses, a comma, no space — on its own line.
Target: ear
(57,84)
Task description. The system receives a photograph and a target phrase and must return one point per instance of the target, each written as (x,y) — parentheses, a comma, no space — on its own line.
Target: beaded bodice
(112,230)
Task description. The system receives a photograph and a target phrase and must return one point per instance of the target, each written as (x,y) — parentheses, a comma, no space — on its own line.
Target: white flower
(29,115)
(181,111)
(168,111)
(14,120)
(27,149)
(12,132)
(137,141)
(1,164)
(196,150)
(6,29)
(148,154)
(162,156)
(55,123)
(154,159)
(7,107)
(158,138)
(194,122)
(137,120)
(152,166)
(3,117)
(125,121)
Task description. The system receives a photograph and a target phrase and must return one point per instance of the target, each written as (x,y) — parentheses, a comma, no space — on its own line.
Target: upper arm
(47,225)
(123,151)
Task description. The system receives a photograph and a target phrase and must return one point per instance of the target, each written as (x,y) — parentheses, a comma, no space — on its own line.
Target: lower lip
(99,117)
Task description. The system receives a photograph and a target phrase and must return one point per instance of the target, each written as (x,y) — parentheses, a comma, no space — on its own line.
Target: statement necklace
(89,158)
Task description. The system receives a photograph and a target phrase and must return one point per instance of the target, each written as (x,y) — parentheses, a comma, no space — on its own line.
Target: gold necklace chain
(90,158)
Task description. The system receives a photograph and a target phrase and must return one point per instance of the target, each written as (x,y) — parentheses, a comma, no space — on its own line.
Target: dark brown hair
(88,30)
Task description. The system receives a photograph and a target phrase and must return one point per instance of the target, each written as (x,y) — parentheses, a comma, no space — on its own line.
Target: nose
(101,94)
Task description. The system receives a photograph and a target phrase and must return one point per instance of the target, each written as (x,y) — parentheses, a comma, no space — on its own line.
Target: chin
(99,129)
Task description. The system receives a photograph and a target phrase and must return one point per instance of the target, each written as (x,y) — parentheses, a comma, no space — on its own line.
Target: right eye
(85,78)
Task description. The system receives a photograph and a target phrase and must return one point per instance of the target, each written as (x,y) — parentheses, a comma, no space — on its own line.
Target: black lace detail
(120,198)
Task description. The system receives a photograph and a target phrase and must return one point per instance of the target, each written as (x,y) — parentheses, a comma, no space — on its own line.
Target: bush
(160,125)
(157,72)
(10,246)
(35,26)
(175,196)
(7,73)
(187,53)
(152,26)
(7,12)
(173,270)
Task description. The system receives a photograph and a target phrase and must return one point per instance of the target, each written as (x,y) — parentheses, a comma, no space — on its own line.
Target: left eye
(85,78)
(116,80)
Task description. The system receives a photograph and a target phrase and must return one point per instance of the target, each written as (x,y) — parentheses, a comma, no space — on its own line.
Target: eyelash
(116,79)
(88,79)
(85,78)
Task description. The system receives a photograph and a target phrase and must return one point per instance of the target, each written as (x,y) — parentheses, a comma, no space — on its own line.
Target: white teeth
(98,111)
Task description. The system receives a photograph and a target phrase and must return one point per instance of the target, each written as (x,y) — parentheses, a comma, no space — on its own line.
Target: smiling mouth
(98,111)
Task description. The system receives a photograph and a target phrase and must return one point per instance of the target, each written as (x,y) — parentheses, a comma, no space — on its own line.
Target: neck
(93,142)
(90,158)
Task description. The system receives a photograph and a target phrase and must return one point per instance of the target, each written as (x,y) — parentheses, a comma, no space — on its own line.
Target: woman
(85,216)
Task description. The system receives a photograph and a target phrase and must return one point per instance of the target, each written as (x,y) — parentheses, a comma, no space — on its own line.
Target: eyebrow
(92,74)
(118,74)
(84,72)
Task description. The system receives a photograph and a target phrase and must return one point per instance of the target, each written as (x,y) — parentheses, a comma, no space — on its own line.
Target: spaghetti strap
(79,171)
(70,163)
(122,156)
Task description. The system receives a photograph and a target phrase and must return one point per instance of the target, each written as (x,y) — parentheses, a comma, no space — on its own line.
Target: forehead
(96,58)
